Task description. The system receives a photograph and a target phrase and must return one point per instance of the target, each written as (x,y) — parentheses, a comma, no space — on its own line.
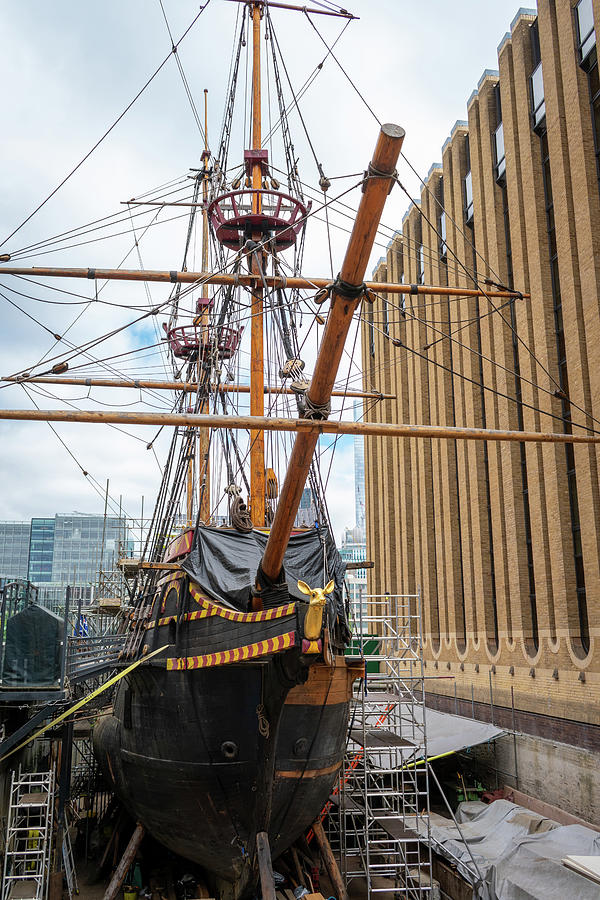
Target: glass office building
(14,549)
(61,550)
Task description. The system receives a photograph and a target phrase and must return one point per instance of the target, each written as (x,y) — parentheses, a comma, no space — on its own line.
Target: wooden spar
(266,423)
(188,387)
(343,306)
(257,260)
(251,280)
(341,13)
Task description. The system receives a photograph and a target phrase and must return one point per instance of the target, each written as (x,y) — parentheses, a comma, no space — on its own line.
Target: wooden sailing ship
(237,726)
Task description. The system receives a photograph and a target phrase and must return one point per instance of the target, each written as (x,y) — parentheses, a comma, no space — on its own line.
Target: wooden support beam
(126,860)
(265,866)
(250,281)
(330,863)
(188,387)
(245,423)
(171,567)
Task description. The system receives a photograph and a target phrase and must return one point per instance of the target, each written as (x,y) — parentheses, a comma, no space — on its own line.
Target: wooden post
(330,863)
(265,867)
(344,302)
(121,871)
(297,865)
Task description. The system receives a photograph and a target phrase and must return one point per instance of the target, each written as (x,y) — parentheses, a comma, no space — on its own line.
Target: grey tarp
(518,853)
(32,651)
(448,733)
(225,562)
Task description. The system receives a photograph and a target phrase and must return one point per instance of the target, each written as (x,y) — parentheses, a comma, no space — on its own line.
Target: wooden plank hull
(207,756)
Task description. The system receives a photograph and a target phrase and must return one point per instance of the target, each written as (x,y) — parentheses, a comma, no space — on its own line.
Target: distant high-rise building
(354,549)
(41,550)
(359,473)
(307,511)
(61,550)
(14,549)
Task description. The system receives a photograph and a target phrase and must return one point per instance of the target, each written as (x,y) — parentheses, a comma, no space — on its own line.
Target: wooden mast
(204,436)
(346,297)
(198,445)
(257,397)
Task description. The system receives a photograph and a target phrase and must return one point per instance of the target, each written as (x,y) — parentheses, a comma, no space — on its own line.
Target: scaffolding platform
(379,822)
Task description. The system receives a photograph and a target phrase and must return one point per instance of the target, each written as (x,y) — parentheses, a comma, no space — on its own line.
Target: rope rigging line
(479,384)
(149,295)
(182,73)
(92,481)
(307,84)
(108,131)
(509,324)
(292,172)
(106,237)
(87,227)
(332,54)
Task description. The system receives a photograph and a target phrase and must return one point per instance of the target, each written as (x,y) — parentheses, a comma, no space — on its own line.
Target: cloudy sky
(69,70)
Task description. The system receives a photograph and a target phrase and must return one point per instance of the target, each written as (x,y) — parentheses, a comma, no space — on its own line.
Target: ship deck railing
(93,655)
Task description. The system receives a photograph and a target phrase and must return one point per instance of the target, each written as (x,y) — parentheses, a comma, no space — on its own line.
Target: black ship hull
(238,726)
(191,759)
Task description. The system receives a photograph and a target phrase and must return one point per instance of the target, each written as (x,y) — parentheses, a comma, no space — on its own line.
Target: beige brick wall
(453,517)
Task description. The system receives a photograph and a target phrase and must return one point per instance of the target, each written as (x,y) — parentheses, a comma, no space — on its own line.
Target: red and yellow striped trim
(311,646)
(214,609)
(223,657)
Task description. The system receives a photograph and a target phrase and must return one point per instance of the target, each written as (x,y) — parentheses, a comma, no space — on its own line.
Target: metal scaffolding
(28,836)
(382,822)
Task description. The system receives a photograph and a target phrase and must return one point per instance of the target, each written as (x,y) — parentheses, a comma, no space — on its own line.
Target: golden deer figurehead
(313,621)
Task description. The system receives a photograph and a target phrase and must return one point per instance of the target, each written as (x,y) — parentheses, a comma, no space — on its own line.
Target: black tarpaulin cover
(224,563)
(32,653)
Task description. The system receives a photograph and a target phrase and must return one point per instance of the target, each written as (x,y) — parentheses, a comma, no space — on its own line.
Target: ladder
(69,865)
(28,836)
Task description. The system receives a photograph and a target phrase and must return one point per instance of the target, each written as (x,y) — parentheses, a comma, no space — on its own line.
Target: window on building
(468,191)
(586,35)
(421,265)
(499,159)
(538,102)
(386,316)
(588,59)
(442,237)
(371,330)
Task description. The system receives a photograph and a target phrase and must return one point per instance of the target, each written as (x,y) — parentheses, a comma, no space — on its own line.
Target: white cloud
(69,70)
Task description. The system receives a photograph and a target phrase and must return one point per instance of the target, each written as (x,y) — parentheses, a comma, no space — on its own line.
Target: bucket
(130,893)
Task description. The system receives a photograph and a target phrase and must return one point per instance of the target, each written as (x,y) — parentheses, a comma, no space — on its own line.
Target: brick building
(502,538)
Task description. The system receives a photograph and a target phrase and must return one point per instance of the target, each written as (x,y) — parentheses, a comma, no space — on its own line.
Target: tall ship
(234,723)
